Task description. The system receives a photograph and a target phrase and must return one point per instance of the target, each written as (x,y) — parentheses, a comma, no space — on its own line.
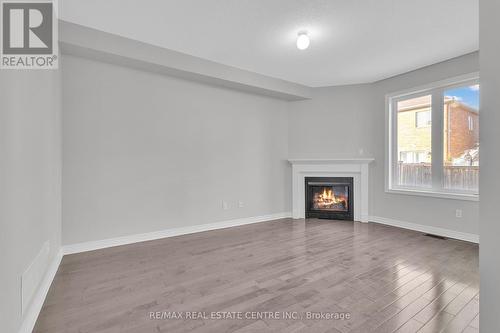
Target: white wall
(336,122)
(145,152)
(30,179)
(490,162)
(349,121)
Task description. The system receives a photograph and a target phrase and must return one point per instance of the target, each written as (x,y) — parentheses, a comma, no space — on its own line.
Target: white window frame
(436,89)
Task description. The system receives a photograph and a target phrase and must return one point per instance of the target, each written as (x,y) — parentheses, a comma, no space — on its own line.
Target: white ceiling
(352,41)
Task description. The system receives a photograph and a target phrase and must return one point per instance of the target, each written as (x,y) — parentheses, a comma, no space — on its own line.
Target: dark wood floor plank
(411,326)
(387,279)
(437,323)
(464,317)
(439,303)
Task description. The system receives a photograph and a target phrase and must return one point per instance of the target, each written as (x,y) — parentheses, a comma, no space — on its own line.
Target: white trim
(434,194)
(130,239)
(357,168)
(453,81)
(33,276)
(37,302)
(473,238)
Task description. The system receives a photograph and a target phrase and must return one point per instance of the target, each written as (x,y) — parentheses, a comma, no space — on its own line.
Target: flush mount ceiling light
(303,40)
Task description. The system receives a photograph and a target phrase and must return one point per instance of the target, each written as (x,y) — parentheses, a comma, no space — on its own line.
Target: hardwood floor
(384,278)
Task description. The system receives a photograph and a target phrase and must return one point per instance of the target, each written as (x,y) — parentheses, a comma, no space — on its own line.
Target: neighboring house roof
(414,103)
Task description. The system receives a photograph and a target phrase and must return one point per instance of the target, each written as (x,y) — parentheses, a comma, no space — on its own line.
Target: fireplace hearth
(329,198)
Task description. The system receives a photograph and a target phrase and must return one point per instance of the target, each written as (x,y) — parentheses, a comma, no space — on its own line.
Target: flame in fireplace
(329,200)
(329,196)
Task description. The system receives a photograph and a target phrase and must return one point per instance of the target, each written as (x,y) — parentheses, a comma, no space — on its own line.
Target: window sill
(434,194)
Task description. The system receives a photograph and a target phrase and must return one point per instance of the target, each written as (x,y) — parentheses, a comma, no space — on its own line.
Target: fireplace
(329,198)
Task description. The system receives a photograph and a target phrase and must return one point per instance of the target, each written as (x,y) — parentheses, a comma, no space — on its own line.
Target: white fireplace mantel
(357,168)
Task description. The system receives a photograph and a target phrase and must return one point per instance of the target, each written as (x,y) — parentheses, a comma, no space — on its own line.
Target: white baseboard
(473,238)
(33,310)
(105,243)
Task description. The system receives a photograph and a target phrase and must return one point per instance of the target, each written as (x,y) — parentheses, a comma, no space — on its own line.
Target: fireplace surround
(329,198)
(357,168)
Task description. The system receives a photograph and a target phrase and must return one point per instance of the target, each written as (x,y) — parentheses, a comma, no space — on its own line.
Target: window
(434,140)
(470,120)
(423,119)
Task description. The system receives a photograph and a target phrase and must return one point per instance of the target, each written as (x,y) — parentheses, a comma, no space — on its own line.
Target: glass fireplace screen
(333,197)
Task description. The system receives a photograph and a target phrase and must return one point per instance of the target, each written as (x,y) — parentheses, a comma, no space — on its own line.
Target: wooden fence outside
(455,177)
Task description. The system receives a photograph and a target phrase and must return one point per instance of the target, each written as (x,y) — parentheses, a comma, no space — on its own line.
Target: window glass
(461,138)
(423,119)
(414,142)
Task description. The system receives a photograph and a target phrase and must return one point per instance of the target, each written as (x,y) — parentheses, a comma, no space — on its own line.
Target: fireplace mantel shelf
(332,161)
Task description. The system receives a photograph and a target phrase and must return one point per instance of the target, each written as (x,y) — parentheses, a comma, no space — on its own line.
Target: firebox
(329,198)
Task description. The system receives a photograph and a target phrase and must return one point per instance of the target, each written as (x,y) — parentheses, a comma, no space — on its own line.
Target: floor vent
(435,236)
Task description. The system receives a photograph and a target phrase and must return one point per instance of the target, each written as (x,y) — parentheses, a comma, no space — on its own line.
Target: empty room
(249,166)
